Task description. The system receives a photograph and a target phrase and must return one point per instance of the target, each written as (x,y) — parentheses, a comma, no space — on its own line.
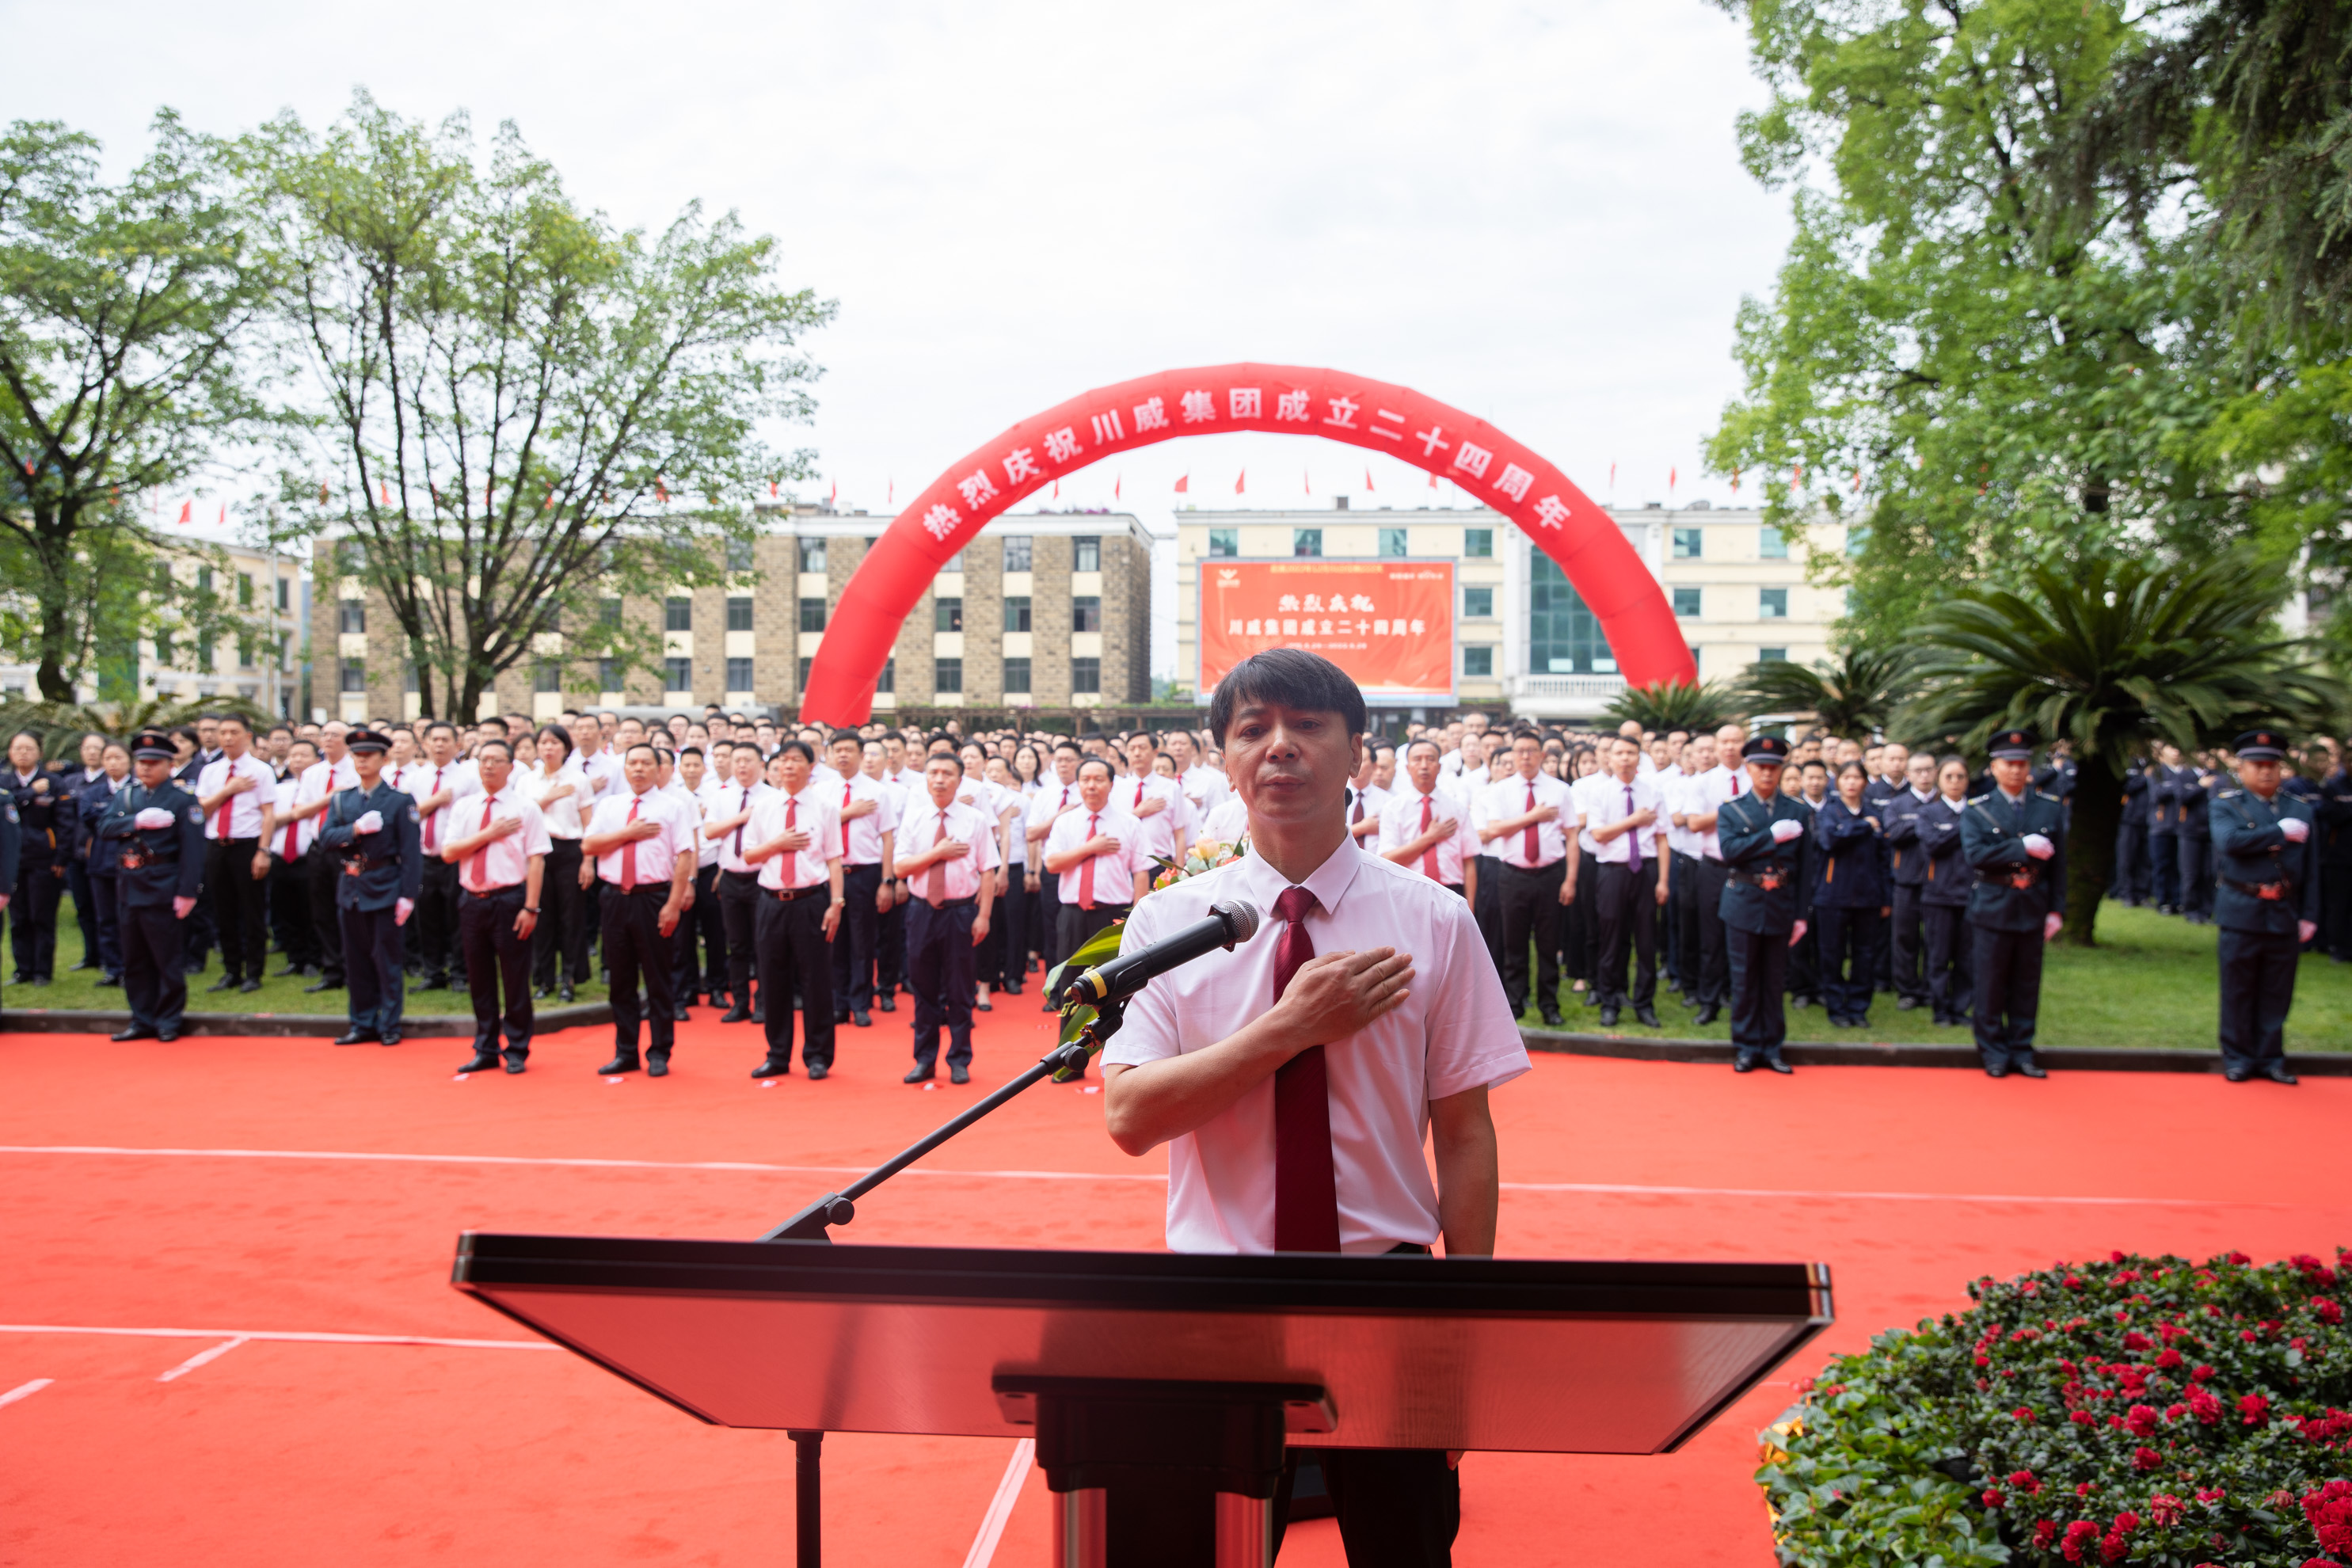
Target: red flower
(2084,1418)
(2255,1409)
(2326,1310)
(1991,1498)
(2125,1523)
(2045,1531)
(2072,1282)
(2215,1495)
(2240,1258)
(2115,1257)
(2083,1489)
(2146,1458)
(2169,1359)
(2114,1548)
(2175,1412)
(2204,1407)
(2025,1481)
(2024,1413)
(2164,1509)
(2135,1341)
(2201,1373)
(2142,1421)
(2079,1534)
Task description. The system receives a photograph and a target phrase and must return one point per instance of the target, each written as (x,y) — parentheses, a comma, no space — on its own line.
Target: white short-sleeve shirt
(1113,872)
(502,862)
(1453,1032)
(810,812)
(1508,799)
(1606,801)
(656,856)
(959,878)
(248,813)
(1401,824)
(425,780)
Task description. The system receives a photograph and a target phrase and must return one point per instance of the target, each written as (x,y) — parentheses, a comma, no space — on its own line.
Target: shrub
(2143,1410)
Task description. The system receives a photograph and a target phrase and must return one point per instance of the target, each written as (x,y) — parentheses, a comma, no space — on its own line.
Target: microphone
(1231,921)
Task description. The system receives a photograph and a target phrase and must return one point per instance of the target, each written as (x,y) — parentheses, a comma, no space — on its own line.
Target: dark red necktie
(1429,856)
(1306,1189)
(1530,845)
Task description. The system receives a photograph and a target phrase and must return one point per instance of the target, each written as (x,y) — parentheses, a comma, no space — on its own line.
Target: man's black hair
(1096,763)
(1060,746)
(944,757)
(637,746)
(1289,677)
(808,752)
(489,741)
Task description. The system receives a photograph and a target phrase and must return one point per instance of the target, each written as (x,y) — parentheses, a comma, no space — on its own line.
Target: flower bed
(2141,1410)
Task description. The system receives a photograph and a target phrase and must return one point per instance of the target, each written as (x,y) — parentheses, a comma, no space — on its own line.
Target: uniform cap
(154,743)
(367,741)
(2260,745)
(2013,743)
(1765,749)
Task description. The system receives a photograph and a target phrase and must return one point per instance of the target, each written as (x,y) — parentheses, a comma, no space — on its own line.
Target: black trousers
(2335,911)
(1530,904)
(2130,882)
(240,906)
(494,956)
(2196,876)
(890,947)
(700,940)
(1078,928)
(1683,878)
(290,912)
(739,911)
(154,966)
(1908,939)
(1850,940)
(32,918)
(1627,912)
(1577,926)
(2257,992)
(436,920)
(559,944)
(1398,1507)
(1034,911)
(1805,965)
(2007,967)
(1714,936)
(106,903)
(376,968)
(794,955)
(1949,969)
(2164,863)
(325,872)
(1486,909)
(1759,973)
(1053,952)
(855,940)
(940,968)
(85,911)
(1008,932)
(639,955)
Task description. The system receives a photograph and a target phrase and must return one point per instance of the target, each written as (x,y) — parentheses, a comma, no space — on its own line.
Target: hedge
(2144,1410)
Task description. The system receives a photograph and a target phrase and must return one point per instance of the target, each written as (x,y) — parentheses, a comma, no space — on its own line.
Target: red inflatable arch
(1290,400)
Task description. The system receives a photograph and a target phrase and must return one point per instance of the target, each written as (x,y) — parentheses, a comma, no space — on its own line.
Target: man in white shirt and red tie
(729,823)
(1297,1078)
(1364,799)
(335,772)
(1156,802)
(946,853)
(496,841)
(237,790)
(1096,849)
(1531,816)
(1426,829)
(1727,780)
(1625,814)
(442,778)
(868,820)
(1055,798)
(796,840)
(642,841)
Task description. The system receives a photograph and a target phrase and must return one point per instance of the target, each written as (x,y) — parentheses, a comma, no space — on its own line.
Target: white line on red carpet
(286,1336)
(999,1507)
(26,1389)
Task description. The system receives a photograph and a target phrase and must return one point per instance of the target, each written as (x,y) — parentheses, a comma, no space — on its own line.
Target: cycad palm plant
(2109,657)
(1852,695)
(1675,705)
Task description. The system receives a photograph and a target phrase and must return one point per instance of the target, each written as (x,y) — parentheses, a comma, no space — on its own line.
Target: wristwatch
(530,910)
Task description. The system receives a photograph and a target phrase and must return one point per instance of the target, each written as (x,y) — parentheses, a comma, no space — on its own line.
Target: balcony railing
(1565,695)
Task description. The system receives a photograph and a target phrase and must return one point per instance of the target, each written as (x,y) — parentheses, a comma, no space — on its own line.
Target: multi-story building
(1525,641)
(1041,610)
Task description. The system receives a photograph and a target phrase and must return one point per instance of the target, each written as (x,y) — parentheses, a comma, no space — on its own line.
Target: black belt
(1530,870)
(1764,881)
(789,895)
(492,892)
(752,877)
(950,903)
(2019,876)
(2269,892)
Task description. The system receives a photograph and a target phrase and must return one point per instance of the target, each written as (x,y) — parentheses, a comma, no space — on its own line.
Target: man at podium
(1296,1078)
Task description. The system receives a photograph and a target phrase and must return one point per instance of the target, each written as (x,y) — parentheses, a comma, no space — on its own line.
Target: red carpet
(294,1451)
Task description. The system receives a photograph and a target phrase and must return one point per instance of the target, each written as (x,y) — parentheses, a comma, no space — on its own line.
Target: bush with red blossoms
(2142,1410)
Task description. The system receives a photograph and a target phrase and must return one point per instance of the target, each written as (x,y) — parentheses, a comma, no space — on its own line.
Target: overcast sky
(1534,213)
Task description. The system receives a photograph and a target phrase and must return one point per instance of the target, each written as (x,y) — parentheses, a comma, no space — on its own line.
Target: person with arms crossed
(954,876)
(2014,838)
(641,842)
(1944,897)
(156,833)
(1297,1078)
(372,830)
(1765,901)
(499,846)
(2267,905)
(795,841)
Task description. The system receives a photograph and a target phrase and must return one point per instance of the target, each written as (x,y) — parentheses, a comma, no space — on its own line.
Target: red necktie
(1735,785)
(1632,848)
(1359,814)
(431,821)
(479,868)
(1529,845)
(792,817)
(1428,856)
(1305,1189)
(741,807)
(844,821)
(221,828)
(1138,795)
(629,854)
(935,881)
(1087,871)
(292,829)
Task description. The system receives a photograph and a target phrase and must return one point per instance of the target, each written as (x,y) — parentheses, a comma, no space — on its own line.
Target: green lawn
(2150,982)
(79,989)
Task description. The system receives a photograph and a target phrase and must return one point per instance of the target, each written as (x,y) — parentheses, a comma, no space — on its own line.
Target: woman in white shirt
(556,784)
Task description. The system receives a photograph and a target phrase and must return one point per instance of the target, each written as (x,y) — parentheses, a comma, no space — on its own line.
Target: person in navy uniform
(1907,858)
(1944,896)
(102,874)
(2014,838)
(1767,898)
(2193,787)
(1851,897)
(2130,885)
(376,832)
(154,831)
(2265,844)
(47,819)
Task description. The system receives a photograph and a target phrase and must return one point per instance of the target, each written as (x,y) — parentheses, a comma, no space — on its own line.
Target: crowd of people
(778,872)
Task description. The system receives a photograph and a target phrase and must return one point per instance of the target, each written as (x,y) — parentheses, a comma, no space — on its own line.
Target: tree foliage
(1675,705)
(499,397)
(1851,694)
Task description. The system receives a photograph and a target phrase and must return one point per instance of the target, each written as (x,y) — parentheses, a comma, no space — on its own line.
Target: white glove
(369,822)
(1784,830)
(152,816)
(2041,848)
(2305,929)
(2294,828)
(1796,933)
(401,909)
(2050,924)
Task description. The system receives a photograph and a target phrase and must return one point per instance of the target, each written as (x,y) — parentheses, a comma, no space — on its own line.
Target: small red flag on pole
(188,511)
(1183,484)
(1240,480)
(1368,478)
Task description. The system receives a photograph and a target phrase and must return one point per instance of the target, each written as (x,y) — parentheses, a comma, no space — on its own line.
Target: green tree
(123,310)
(1675,705)
(2110,658)
(507,409)
(1850,695)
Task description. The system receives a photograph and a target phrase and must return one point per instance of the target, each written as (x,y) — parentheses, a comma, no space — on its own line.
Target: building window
(163,649)
(812,554)
(1686,602)
(947,616)
(801,675)
(739,675)
(1085,612)
(285,594)
(889,681)
(1563,636)
(739,554)
(355,675)
(1478,661)
(245,650)
(203,579)
(608,675)
(608,613)
(1016,552)
(1771,544)
(1085,676)
(244,588)
(1016,676)
(1686,543)
(1085,552)
(1304,541)
(1224,543)
(1016,615)
(206,645)
(351,616)
(947,675)
(411,678)
(547,674)
(677,614)
(812,614)
(1393,542)
(1857,540)
(1477,604)
(739,615)
(954,563)
(1478,543)
(678,675)
(1772,603)
(1771,655)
